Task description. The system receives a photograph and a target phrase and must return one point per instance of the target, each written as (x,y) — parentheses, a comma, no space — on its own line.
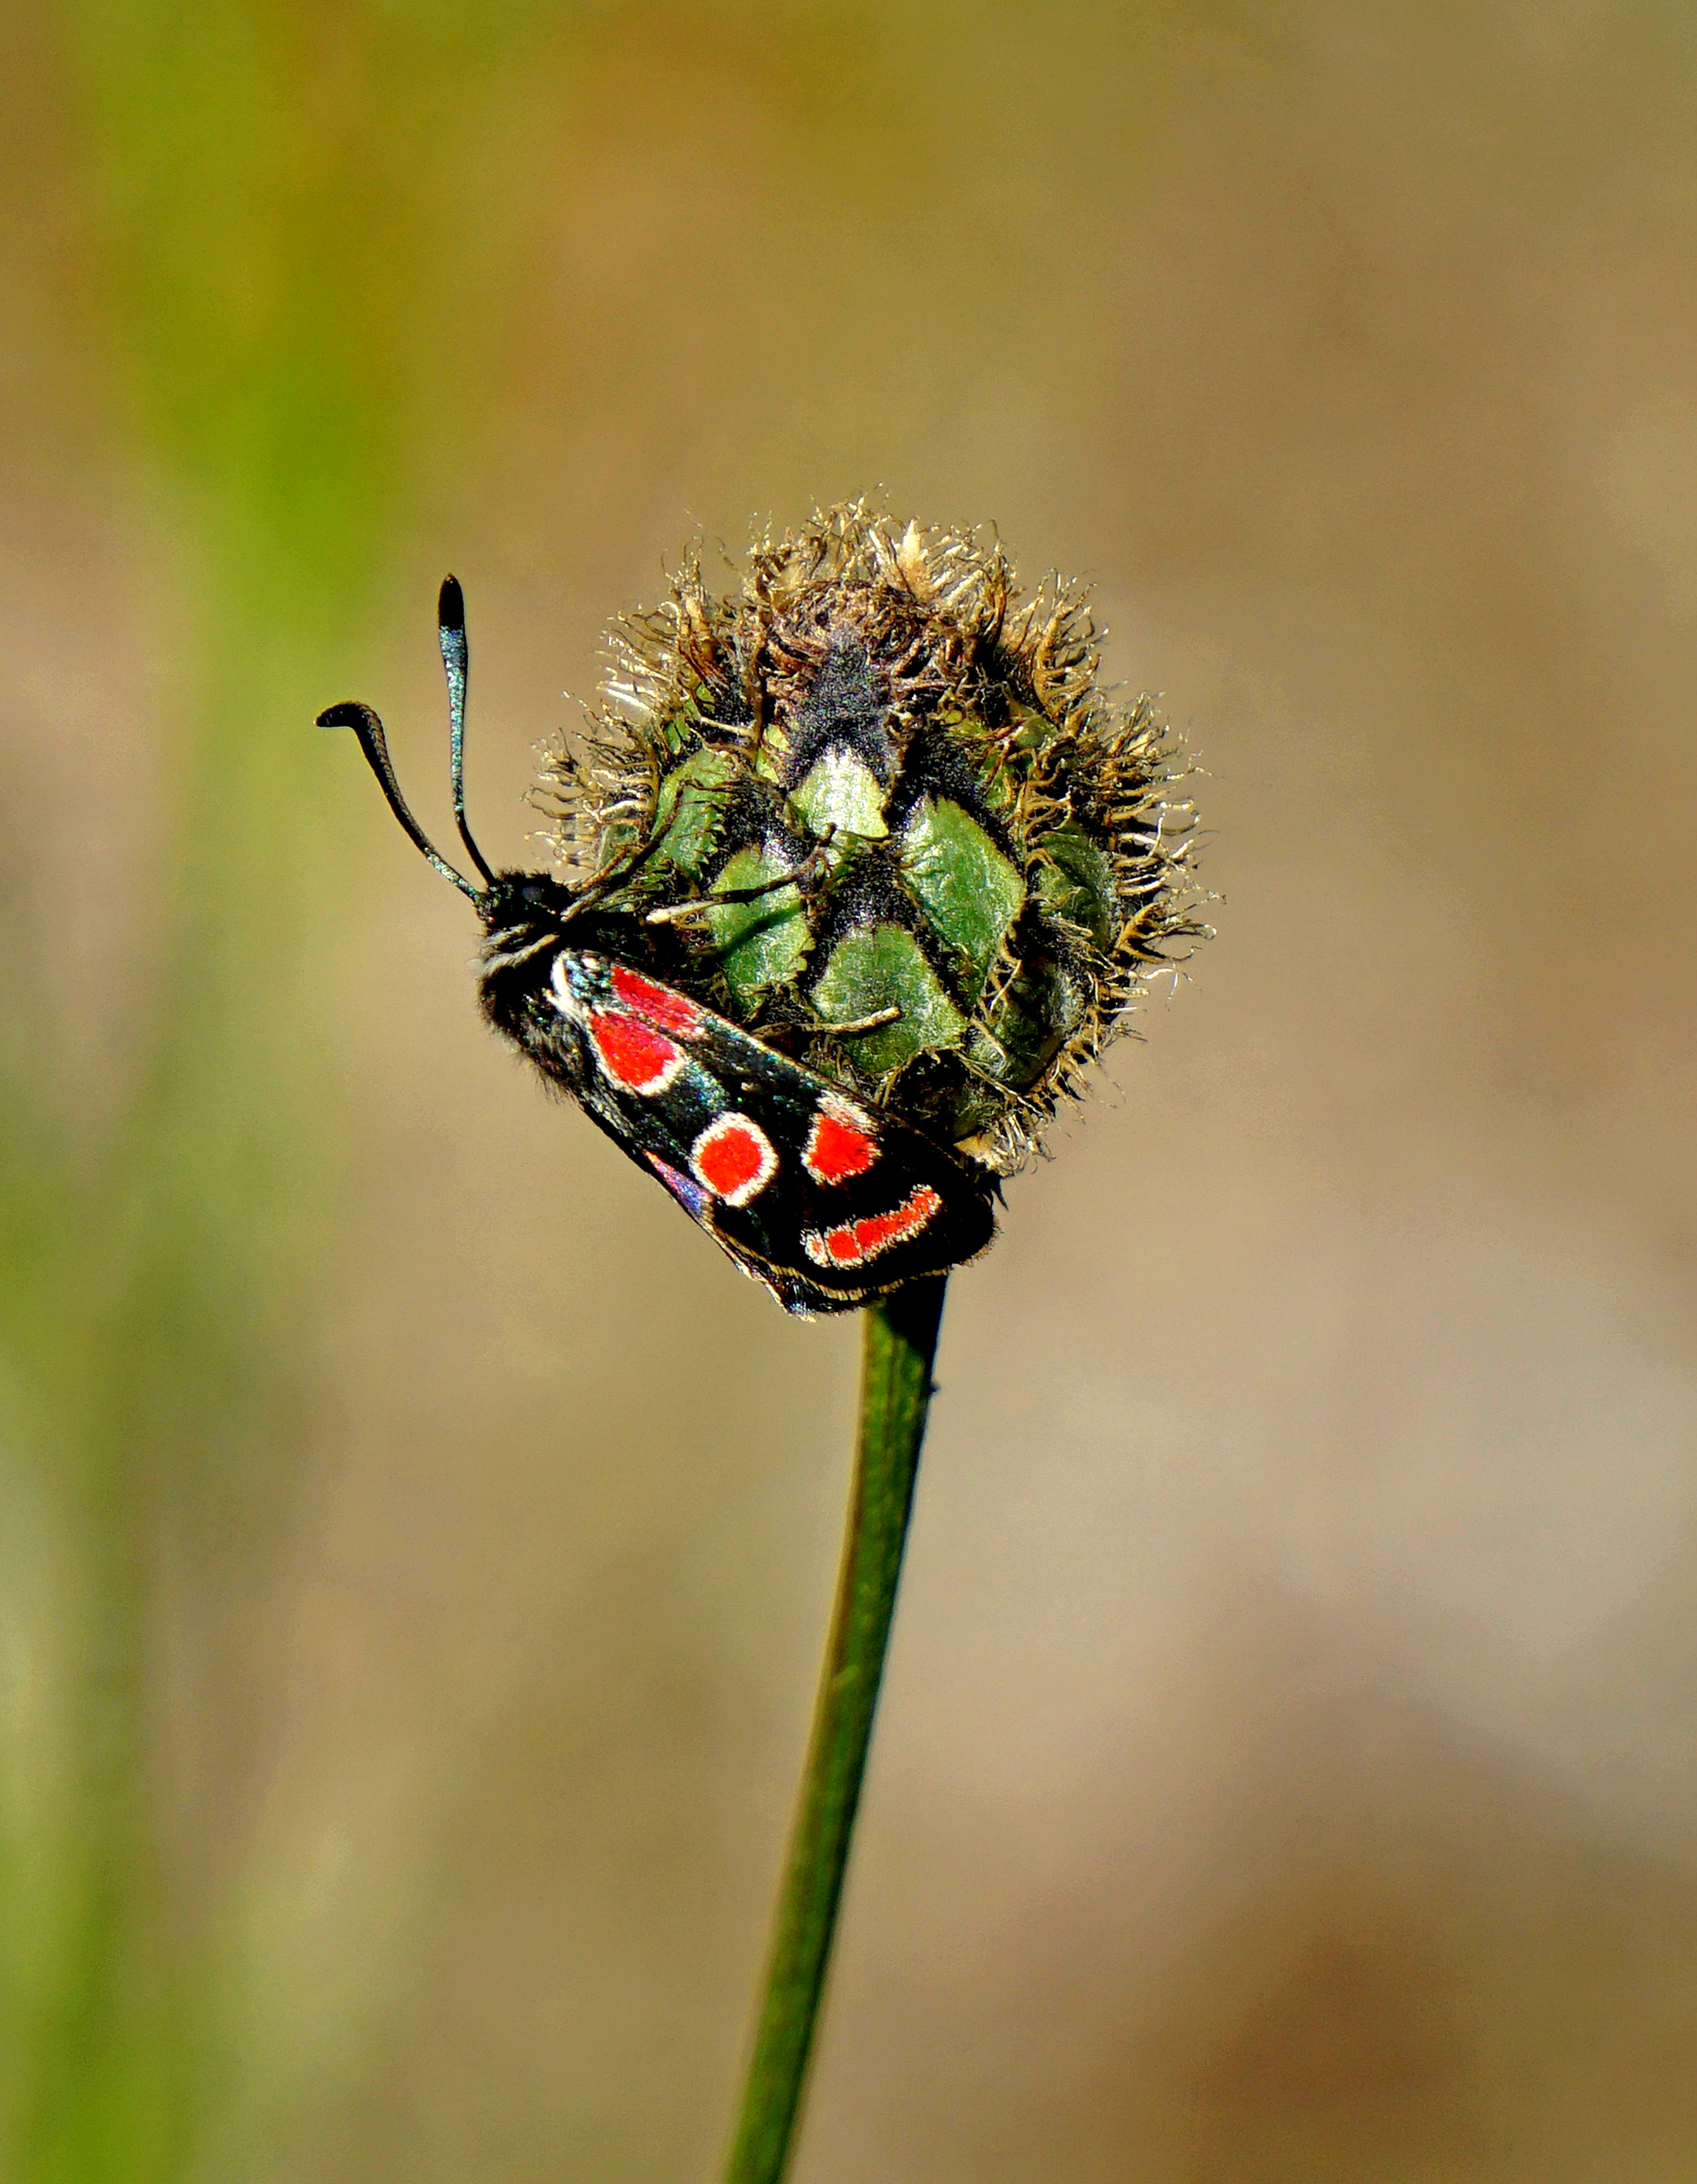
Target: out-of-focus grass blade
(270,190)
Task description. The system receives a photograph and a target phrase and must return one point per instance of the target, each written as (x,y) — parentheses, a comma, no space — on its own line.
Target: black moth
(828,1203)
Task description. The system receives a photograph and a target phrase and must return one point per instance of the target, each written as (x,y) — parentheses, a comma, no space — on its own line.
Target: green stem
(895,1393)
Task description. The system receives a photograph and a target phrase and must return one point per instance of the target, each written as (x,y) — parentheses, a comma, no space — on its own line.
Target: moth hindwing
(826,1201)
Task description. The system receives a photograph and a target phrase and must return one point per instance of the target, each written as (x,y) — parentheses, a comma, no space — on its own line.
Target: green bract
(969,859)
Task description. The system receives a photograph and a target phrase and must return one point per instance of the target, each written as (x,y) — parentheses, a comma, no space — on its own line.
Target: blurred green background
(416,1543)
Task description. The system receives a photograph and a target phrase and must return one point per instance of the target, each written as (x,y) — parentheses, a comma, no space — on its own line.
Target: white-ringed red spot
(734,1158)
(634,1054)
(841,1144)
(657,1005)
(857,1241)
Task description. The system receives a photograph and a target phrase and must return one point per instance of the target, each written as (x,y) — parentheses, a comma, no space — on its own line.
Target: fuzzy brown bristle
(948,815)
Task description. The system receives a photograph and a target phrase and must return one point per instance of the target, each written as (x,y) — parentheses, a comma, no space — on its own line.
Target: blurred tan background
(416,1542)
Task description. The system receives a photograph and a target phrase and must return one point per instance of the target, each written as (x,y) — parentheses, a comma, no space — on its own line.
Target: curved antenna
(456,659)
(369,728)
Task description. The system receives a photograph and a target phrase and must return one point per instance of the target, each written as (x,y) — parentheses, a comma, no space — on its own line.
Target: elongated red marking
(840,1144)
(734,1158)
(857,1241)
(657,1005)
(633,1055)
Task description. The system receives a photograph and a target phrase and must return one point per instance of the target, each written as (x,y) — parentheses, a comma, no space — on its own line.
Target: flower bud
(897,829)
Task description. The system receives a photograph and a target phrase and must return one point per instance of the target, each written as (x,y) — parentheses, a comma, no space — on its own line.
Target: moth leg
(675,913)
(875,1022)
(600,888)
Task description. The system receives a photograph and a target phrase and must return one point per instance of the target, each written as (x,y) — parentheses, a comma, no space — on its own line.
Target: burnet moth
(829,1200)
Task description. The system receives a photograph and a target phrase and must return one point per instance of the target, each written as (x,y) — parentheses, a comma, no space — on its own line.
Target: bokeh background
(415,1542)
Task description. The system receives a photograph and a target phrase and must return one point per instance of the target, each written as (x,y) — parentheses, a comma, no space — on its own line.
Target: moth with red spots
(828,1202)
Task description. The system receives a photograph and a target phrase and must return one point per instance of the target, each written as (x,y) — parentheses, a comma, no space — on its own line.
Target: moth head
(523,914)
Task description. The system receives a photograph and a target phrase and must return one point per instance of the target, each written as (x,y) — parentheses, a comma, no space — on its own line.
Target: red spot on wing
(734,1158)
(632,1054)
(657,1005)
(840,1144)
(857,1241)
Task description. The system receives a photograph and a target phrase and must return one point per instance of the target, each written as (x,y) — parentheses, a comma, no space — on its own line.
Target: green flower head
(896,827)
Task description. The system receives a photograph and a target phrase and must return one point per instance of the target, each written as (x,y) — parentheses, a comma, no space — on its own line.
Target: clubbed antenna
(369,728)
(456,659)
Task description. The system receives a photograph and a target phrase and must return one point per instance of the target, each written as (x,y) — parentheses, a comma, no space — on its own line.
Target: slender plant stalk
(895,1394)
